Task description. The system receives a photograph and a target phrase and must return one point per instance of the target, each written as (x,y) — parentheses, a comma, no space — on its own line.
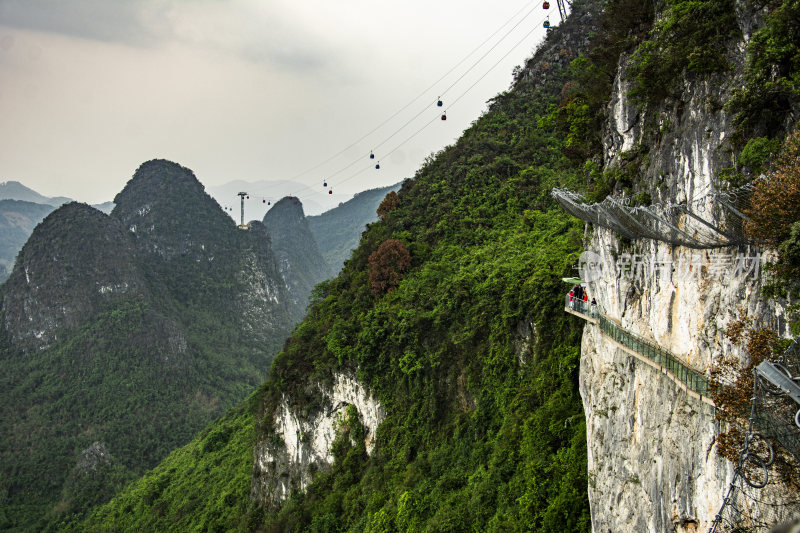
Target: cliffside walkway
(687,378)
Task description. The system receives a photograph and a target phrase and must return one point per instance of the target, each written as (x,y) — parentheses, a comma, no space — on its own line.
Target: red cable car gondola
(444,116)
(330,191)
(546,5)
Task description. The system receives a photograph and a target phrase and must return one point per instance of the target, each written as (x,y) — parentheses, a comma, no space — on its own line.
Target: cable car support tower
(562,8)
(242,195)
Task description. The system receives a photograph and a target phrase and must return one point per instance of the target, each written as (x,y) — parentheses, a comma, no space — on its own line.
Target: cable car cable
(412,119)
(354,143)
(438,116)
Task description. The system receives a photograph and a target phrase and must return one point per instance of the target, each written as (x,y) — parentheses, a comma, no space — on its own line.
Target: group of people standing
(579,294)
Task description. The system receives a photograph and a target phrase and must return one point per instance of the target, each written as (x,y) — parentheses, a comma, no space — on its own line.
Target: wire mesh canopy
(714,220)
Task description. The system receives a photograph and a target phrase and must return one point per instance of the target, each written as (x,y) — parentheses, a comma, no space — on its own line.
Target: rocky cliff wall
(652,460)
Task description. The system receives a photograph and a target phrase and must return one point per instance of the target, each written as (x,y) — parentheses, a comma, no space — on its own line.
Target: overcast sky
(245,89)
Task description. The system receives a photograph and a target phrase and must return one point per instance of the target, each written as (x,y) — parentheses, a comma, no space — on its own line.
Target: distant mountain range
(21,208)
(14,190)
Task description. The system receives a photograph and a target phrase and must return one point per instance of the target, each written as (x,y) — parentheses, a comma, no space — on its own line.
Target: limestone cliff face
(652,460)
(301,439)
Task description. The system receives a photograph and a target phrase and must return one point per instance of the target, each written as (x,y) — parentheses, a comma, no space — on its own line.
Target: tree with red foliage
(387,265)
(388,204)
(775,203)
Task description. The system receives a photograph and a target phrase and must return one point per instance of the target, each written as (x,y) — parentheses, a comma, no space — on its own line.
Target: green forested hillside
(467,348)
(122,336)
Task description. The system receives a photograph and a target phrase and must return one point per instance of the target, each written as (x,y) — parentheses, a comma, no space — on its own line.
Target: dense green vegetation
(203,486)
(772,74)
(691,36)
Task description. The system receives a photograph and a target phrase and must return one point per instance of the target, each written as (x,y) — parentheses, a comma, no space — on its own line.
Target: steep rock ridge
(187,243)
(301,440)
(299,260)
(60,278)
(651,447)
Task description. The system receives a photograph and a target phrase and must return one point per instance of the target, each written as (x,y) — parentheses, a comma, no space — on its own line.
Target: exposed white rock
(114,287)
(301,443)
(653,465)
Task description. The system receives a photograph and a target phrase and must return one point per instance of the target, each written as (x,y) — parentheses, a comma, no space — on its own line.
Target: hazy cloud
(99,20)
(255,31)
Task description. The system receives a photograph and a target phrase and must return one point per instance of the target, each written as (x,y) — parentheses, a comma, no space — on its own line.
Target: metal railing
(579,306)
(690,377)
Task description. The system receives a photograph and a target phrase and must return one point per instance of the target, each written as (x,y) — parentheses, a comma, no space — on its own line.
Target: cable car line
(438,116)
(464,93)
(443,116)
(494,66)
(376,128)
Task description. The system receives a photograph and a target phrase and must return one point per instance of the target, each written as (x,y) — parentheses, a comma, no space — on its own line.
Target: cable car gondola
(330,191)
(439,102)
(546,5)
(444,116)
(324,183)
(546,23)
(371,155)
(378,165)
